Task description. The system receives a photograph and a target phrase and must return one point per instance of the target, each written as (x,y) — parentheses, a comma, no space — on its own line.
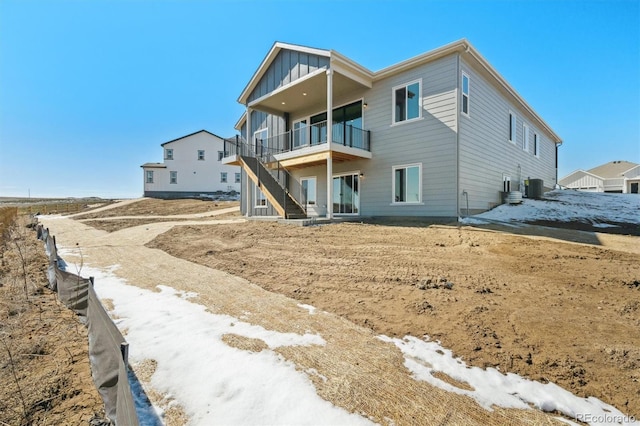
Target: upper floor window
(168,154)
(407,183)
(220,155)
(512,127)
(525,137)
(201,154)
(237,178)
(261,138)
(173,177)
(407,101)
(223,177)
(465,94)
(149,176)
(536,145)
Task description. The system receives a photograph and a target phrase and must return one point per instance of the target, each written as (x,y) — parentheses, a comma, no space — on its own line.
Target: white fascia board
(469,49)
(277,46)
(351,69)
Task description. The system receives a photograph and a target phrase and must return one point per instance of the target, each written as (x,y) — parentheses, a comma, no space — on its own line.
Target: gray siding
(260,120)
(287,67)
(486,152)
(430,141)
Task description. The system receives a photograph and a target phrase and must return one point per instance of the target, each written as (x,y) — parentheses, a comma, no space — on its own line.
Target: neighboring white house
(192,167)
(615,176)
(438,135)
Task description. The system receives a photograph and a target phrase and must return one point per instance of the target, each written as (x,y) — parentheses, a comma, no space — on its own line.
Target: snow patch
(214,382)
(493,388)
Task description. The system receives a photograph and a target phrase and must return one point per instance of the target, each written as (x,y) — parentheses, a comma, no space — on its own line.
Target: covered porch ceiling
(307,93)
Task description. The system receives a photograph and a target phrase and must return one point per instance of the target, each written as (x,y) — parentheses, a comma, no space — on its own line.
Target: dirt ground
(154,206)
(547,309)
(45,376)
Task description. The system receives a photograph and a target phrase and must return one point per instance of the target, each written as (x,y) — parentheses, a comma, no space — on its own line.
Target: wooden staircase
(274,191)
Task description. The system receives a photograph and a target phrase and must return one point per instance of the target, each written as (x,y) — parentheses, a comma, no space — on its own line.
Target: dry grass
(157,207)
(44,364)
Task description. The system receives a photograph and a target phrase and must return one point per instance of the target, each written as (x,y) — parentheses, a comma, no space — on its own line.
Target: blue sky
(90,89)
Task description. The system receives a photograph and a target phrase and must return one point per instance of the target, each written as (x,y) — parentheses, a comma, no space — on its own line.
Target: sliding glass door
(346,194)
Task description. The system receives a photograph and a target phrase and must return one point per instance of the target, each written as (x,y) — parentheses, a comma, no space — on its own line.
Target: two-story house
(192,167)
(431,136)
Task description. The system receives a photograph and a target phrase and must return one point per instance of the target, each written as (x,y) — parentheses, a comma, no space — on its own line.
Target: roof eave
(191,134)
(264,65)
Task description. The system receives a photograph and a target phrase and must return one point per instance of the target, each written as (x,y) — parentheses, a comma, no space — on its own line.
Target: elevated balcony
(307,146)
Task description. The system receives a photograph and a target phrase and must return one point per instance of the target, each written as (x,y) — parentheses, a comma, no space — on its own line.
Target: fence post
(124,350)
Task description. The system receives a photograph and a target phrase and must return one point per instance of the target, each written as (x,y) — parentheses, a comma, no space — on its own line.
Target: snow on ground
(491,387)
(243,387)
(598,209)
(213,382)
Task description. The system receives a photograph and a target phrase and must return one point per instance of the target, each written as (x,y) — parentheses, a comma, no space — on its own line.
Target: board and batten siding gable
(430,141)
(583,180)
(485,152)
(287,67)
(262,120)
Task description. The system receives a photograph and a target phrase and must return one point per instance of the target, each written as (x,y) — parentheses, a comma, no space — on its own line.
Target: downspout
(248,141)
(329,143)
(458,139)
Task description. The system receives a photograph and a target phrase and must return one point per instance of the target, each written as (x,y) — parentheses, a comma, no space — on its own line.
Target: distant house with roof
(615,176)
(192,167)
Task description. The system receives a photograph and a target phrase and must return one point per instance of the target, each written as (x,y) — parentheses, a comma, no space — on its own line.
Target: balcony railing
(302,137)
(316,134)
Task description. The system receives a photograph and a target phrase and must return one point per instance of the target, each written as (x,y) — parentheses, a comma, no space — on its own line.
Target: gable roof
(191,134)
(461,46)
(613,169)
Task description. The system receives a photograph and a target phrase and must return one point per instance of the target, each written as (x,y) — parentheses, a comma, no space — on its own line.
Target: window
(407,183)
(299,133)
(536,145)
(512,127)
(149,176)
(201,154)
(261,200)
(261,138)
(237,178)
(525,137)
(465,94)
(168,154)
(220,155)
(406,102)
(223,177)
(173,177)
(309,190)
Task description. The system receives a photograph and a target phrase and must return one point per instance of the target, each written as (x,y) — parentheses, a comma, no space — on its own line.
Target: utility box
(535,190)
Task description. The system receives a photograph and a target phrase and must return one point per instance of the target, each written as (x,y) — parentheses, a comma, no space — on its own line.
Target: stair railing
(292,190)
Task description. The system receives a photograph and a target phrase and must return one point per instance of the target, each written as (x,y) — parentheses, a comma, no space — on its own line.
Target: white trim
(353,173)
(393,102)
(525,137)
(315,189)
(393,184)
(252,143)
(512,127)
(173,174)
(166,154)
(148,174)
(462,95)
(257,191)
